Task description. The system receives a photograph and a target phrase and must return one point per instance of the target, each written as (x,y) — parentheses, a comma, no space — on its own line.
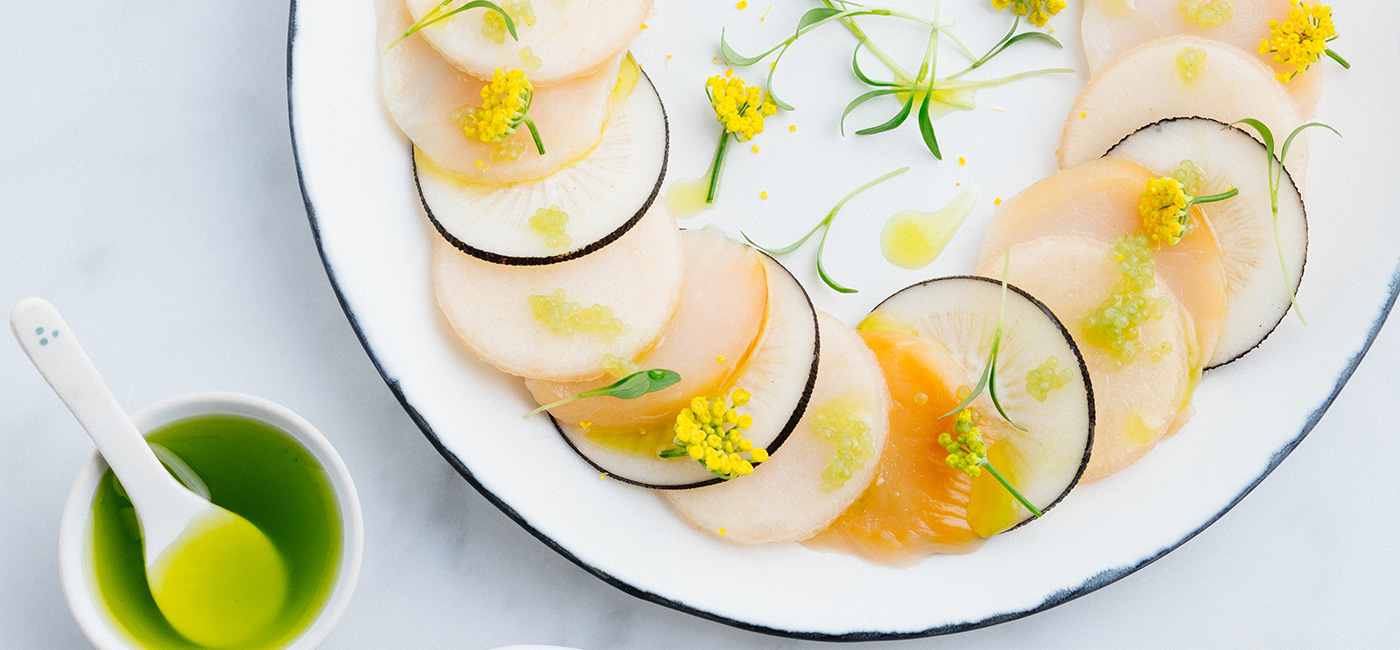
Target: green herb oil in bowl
(255,471)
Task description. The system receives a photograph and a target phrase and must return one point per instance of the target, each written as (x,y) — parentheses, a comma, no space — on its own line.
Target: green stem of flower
(1337,57)
(1214,197)
(551,405)
(535,133)
(717,165)
(899,72)
(1034,510)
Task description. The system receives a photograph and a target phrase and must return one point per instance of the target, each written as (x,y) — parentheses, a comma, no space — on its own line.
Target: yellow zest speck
(755,148)
(585,424)
(480,164)
(792,127)
(722,531)
(504,107)
(603,476)
(668,61)
(1083,115)
(719,359)
(962,160)
(997,201)
(1301,40)
(644,25)
(763,194)
(742,5)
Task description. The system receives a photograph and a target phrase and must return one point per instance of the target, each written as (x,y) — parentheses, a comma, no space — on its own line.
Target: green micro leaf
(863,99)
(926,128)
(893,122)
(815,16)
(632,386)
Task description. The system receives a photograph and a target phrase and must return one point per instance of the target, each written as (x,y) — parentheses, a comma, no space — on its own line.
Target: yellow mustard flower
(1037,11)
(1166,209)
(1300,40)
(505,106)
(712,433)
(967,453)
(741,108)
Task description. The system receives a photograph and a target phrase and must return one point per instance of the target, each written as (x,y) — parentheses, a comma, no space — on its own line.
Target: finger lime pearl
(1191,63)
(549,223)
(494,27)
(1113,326)
(1049,376)
(844,423)
(1207,13)
(566,318)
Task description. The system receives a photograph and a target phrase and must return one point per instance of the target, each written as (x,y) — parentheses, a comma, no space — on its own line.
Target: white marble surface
(147,188)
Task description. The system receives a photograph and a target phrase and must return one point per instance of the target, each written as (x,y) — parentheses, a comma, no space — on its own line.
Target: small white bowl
(75,557)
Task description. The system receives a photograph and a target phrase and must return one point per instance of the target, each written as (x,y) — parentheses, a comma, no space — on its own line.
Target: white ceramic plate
(374,239)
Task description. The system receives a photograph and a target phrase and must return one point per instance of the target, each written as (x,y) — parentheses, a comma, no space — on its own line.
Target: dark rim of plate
(1094,583)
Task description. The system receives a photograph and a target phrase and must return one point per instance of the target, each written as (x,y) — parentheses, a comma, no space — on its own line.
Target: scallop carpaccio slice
(636,280)
(795,495)
(1137,402)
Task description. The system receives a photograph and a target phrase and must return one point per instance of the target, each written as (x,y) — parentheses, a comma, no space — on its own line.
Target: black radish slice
(423,92)
(1257,298)
(600,196)
(564,38)
(798,493)
(959,314)
(518,318)
(1135,404)
(780,374)
(1149,83)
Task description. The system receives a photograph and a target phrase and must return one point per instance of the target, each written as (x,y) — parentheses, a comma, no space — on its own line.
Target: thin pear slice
(779,374)
(723,276)
(1100,198)
(1136,404)
(603,193)
(958,316)
(569,37)
(787,499)
(422,91)
(1112,27)
(1146,84)
(638,279)
(1257,298)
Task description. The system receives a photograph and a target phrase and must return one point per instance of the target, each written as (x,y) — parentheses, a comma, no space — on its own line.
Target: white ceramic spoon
(184,536)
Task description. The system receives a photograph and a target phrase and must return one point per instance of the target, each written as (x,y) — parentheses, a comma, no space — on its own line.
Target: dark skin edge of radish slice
(1302,268)
(1083,372)
(772,447)
(509,260)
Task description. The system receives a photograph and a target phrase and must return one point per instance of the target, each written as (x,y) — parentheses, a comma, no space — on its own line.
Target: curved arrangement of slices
(562,269)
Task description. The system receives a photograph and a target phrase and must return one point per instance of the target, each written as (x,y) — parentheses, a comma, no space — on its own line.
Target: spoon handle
(55,352)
